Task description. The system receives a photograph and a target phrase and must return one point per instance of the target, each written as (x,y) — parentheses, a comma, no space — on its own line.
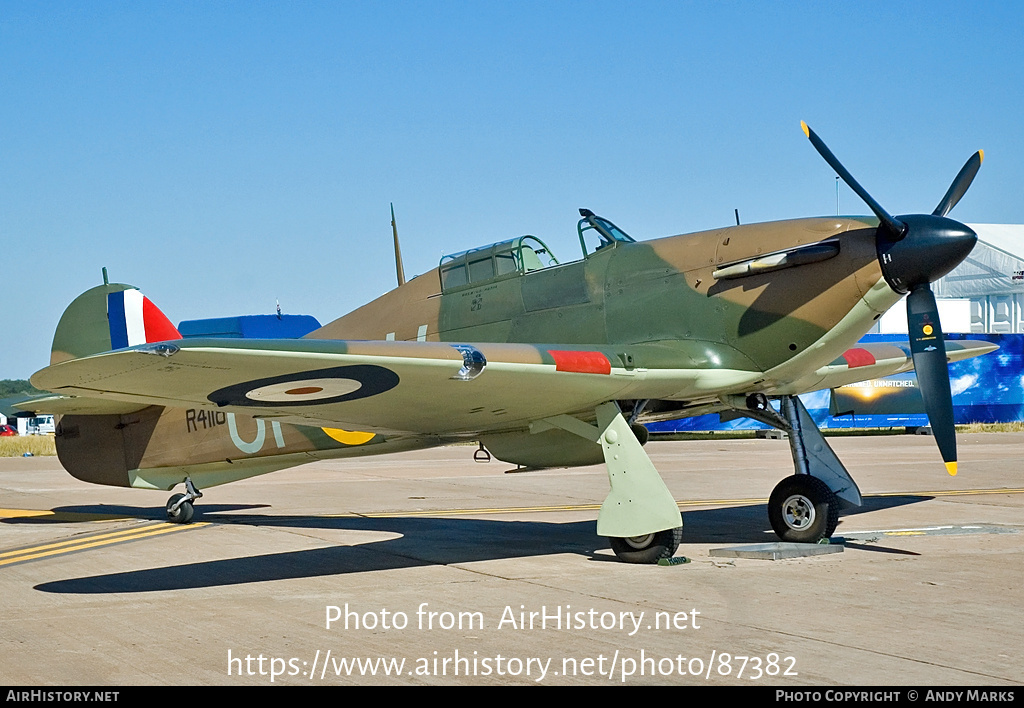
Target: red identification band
(858,357)
(581,362)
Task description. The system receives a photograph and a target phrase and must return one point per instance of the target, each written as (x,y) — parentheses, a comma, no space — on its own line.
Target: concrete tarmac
(429,568)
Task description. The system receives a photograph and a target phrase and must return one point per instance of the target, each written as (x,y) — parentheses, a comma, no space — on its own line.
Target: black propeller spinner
(914,251)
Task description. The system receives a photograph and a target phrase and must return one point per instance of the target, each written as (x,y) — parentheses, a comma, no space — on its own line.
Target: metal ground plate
(776,551)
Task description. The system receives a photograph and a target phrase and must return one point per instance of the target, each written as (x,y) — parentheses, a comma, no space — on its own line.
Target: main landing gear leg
(179,506)
(804,508)
(640,516)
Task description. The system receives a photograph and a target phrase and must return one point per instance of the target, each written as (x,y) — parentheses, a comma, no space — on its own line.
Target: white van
(41,425)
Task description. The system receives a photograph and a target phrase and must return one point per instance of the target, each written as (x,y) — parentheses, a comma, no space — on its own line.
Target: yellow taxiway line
(91,541)
(58,516)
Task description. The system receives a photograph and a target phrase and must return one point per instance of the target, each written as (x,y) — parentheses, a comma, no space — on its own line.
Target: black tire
(183,514)
(641,433)
(649,548)
(802,509)
(833,517)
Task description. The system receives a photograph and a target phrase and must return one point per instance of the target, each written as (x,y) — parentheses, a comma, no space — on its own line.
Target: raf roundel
(335,385)
(304,390)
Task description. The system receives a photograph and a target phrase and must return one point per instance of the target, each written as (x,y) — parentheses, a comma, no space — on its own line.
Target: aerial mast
(400,271)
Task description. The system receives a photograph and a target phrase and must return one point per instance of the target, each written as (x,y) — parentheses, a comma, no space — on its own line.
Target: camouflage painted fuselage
(661,294)
(648,307)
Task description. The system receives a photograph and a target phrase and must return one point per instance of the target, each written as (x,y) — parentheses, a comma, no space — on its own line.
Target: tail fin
(109,316)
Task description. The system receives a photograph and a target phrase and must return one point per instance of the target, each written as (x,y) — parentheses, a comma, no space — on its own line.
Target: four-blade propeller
(914,251)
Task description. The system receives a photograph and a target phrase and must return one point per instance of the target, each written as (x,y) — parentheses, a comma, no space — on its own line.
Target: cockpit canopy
(524,254)
(597,233)
(518,255)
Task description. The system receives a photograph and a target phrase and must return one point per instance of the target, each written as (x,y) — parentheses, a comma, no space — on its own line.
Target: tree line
(17,387)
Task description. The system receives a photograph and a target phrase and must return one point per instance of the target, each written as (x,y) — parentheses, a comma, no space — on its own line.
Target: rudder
(109,316)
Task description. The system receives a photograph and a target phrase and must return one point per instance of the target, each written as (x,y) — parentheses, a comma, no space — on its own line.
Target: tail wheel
(649,548)
(184,511)
(802,509)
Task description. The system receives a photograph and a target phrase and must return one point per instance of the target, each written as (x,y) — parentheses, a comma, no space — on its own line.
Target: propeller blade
(914,251)
(961,183)
(928,349)
(895,228)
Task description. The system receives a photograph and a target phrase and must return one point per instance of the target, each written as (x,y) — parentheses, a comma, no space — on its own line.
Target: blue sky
(224,155)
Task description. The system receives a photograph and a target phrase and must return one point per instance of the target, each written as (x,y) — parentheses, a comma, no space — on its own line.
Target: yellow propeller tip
(951,468)
(981,154)
(807,131)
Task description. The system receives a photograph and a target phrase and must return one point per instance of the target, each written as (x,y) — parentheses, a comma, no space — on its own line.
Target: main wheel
(802,509)
(181,515)
(649,548)
(641,433)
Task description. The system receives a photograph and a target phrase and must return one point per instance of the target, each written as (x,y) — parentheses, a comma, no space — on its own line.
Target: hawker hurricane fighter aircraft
(544,363)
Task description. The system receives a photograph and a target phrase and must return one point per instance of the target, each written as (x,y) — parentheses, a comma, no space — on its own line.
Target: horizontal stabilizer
(72,405)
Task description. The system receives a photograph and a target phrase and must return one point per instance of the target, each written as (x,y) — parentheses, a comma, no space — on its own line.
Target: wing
(872,361)
(386,387)
(432,388)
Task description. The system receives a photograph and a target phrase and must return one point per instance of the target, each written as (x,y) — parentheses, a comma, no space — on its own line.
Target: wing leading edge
(416,387)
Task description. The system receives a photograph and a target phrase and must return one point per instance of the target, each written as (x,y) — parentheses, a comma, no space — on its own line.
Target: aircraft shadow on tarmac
(422,541)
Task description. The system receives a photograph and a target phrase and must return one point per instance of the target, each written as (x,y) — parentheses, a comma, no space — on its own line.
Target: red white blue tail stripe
(135,320)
